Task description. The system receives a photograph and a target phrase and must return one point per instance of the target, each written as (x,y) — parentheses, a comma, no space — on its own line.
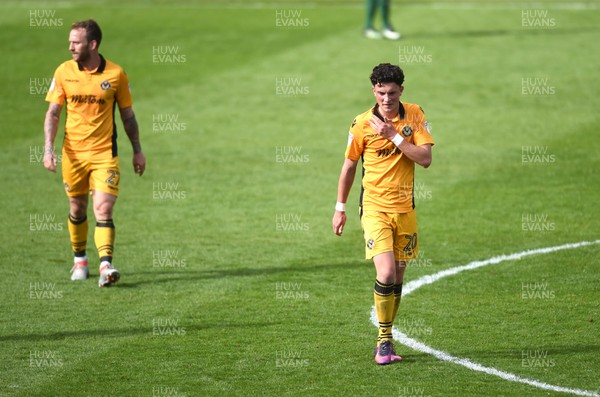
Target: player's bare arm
(419,154)
(50,130)
(344,186)
(131,128)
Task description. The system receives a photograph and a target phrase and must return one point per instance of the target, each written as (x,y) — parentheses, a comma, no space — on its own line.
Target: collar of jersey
(101,67)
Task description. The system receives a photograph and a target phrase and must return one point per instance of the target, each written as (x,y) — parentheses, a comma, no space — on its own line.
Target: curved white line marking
(465,362)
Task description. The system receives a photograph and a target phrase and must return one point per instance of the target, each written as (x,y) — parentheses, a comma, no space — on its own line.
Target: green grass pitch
(233,283)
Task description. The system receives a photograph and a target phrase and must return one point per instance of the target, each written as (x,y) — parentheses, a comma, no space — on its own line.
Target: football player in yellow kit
(90,86)
(390,138)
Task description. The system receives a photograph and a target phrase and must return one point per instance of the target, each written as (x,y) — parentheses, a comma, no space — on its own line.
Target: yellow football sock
(384,305)
(104,236)
(397,297)
(78,231)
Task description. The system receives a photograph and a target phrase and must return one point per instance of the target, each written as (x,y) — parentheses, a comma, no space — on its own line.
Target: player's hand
(339,220)
(383,128)
(139,163)
(50,160)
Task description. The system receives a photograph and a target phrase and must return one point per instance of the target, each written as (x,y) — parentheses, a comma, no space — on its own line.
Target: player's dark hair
(387,73)
(92,30)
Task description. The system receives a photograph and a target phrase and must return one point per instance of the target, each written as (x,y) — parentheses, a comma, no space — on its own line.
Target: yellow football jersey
(388,175)
(90,129)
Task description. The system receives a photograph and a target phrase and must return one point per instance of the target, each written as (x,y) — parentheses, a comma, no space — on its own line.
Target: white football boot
(372,34)
(80,268)
(390,34)
(108,275)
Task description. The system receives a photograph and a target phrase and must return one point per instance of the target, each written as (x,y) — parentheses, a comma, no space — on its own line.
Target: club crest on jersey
(105,85)
(370,244)
(406,131)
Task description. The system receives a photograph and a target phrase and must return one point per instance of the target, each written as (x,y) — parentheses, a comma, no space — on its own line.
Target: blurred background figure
(388,31)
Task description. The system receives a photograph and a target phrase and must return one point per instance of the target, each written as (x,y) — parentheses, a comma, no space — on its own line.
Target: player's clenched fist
(50,160)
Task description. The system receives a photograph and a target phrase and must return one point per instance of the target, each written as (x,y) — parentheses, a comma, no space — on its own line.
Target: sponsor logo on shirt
(91,99)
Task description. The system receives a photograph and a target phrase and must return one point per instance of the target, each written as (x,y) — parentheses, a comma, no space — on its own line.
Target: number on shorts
(114,177)
(411,244)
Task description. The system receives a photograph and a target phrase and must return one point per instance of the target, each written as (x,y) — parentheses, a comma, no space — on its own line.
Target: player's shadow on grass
(138,279)
(124,332)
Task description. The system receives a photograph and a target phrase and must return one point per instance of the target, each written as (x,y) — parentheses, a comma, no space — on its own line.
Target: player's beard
(83,56)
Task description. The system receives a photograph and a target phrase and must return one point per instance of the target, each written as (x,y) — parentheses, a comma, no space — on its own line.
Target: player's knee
(78,207)
(77,212)
(103,213)
(386,278)
(104,209)
(386,275)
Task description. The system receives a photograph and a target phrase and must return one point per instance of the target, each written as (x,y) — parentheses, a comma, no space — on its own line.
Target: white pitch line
(465,362)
